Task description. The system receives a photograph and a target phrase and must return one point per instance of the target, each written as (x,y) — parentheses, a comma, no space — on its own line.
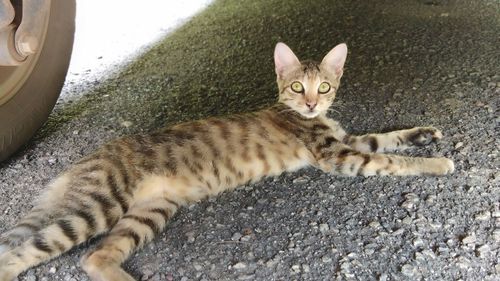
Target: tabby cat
(131,187)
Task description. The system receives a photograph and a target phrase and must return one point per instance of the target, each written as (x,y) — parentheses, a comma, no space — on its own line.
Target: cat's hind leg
(138,226)
(395,140)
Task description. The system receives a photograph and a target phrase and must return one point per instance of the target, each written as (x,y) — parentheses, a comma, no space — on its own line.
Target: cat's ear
(284,58)
(335,59)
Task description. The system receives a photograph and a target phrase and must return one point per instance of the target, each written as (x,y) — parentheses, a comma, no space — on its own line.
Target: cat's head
(305,86)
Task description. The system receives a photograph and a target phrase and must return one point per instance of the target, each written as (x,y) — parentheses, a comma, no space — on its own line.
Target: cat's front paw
(420,136)
(441,166)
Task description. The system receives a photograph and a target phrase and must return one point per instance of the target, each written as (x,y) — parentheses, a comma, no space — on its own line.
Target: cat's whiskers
(339,105)
(330,110)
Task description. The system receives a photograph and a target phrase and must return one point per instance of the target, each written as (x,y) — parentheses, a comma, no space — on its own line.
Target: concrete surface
(106,38)
(417,62)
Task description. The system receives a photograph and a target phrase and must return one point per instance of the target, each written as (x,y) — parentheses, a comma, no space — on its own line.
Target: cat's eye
(324,88)
(297,87)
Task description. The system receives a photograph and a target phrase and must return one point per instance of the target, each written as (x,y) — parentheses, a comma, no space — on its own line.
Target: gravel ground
(427,62)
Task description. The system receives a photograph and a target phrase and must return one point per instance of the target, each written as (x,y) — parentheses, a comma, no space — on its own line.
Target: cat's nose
(311,104)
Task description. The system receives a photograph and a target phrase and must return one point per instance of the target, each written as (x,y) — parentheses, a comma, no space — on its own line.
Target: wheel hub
(20,44)
(19,40)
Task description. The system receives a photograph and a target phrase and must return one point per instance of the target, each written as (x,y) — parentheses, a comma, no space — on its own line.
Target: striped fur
(132,186)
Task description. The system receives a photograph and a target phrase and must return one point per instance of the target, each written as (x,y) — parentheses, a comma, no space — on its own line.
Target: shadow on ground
(221,61)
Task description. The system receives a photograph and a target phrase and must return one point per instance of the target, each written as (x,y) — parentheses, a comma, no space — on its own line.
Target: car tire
(29,105)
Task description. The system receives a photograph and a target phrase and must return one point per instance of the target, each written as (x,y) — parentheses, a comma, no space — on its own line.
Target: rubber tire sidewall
(30,107)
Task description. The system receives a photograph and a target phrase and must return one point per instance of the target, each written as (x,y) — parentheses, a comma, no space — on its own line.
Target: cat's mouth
(310,113)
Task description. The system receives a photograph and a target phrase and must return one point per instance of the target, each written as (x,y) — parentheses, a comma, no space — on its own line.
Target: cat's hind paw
(420,136)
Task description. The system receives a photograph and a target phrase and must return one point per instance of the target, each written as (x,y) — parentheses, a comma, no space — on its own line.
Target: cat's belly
(179,189)
(237,170)
(217,175)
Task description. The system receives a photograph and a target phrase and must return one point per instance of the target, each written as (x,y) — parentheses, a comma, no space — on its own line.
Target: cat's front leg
(401,139)
(342,159)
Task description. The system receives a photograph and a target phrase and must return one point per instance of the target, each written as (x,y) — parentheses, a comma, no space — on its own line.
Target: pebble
(352,255)
(429,253)
(398,232)
(326,259)
(247,231)
(31,278)
(463,262)
(483,216)
(323,228)
(407,220)
(450,242)
(408,270)
(418,242)
(306,268)
(430,199)
(296,268)
(197,266)
(190,237)
(126,124)
(483,251)
(459,144)
(246,238)
(345,266)
(146,273)
(52,270)
(496,214)
(469,239)
(496,234)
(236,236)
(411,200)
(303,179)
(239,265)
(443,251)
(272,262)
(435,226)
(383,277)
